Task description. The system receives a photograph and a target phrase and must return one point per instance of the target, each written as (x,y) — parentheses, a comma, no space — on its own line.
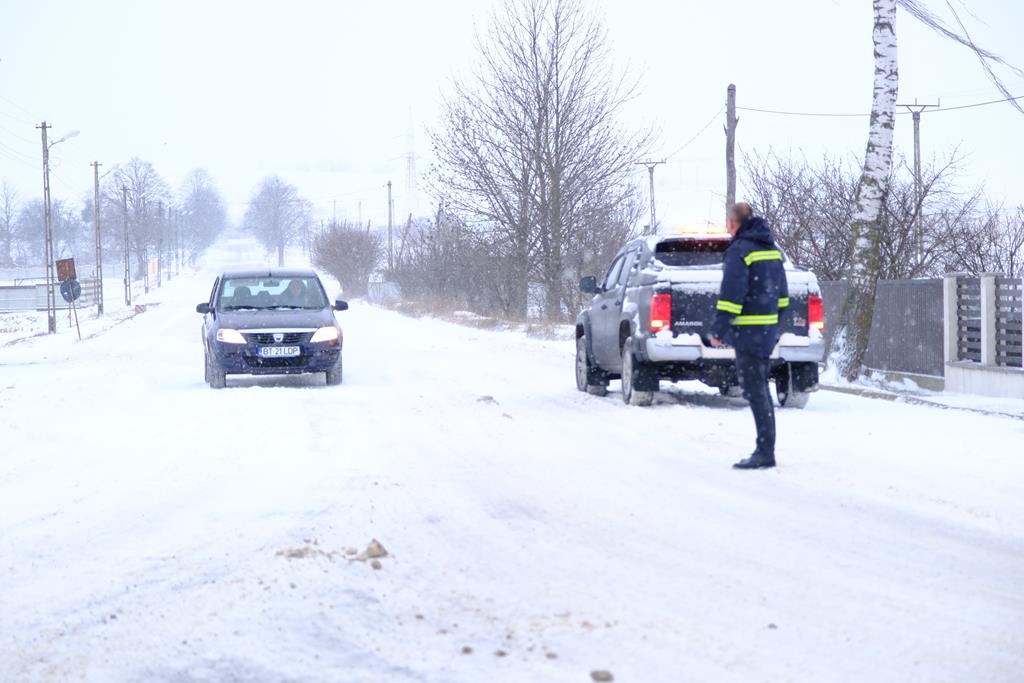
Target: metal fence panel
(968,314)
(32,297)
(1008,322)
(20,298)
(906,331)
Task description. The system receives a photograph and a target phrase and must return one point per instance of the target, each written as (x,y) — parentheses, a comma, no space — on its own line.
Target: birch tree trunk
(850,338)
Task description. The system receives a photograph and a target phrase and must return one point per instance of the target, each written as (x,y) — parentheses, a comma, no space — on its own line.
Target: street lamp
(51,297)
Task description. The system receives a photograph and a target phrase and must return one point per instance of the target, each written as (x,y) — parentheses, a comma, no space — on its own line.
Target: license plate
(278,351)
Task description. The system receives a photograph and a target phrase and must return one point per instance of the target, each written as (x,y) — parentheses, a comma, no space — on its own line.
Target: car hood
(276,319)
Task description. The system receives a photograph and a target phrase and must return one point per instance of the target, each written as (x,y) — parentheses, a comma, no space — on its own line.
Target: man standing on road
(753,295)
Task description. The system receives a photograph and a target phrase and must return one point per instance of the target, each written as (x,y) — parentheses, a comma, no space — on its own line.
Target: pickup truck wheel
(731,391)
(788,398)
(636,380)
(588,378)
(215,377)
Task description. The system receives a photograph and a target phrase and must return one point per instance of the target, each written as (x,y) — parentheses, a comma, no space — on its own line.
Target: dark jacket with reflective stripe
(754,291)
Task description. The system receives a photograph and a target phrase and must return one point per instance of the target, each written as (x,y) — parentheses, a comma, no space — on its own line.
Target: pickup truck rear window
(691,252)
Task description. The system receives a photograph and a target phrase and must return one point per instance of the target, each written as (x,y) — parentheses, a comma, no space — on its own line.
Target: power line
(901,113)
(15,152)
(16,136)
(699,133)
(980,104)
(802,113)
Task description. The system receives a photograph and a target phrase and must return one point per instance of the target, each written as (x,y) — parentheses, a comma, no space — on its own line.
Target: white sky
(323,93)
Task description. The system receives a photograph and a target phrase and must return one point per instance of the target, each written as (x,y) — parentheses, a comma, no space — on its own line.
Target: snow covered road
(152,529)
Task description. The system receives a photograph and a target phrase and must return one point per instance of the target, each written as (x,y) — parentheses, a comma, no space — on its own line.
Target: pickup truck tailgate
(693,311)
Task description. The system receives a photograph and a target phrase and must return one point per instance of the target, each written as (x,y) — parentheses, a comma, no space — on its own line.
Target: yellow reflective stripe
(783,302)
(729,306)
(756,319)
(768,255)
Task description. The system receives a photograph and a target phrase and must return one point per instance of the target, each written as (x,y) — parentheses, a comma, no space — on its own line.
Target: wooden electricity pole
(730,147)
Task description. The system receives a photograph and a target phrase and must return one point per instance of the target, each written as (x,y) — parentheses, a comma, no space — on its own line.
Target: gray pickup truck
(650,319)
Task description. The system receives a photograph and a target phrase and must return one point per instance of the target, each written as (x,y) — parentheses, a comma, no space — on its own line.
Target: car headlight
(329,335)
(229,336)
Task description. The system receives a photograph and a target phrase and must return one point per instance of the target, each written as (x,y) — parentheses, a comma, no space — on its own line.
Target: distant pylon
(410,168)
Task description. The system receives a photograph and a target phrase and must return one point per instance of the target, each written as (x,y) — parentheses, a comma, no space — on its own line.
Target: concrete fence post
(949,319)
(988,319)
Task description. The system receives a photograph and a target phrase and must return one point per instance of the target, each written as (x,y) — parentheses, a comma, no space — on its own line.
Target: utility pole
(159,243)
(651,165)
(96,226)
(177,241)
(730,147)
(127,256)
(915,109)
(391,258)
(51,298)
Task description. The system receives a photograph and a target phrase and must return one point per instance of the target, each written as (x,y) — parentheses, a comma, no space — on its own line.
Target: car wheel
(637,389)
(787,398)
(334,375)
(588,378)
(215,377)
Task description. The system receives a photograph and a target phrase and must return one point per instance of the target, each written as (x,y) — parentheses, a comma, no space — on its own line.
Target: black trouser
(753,376)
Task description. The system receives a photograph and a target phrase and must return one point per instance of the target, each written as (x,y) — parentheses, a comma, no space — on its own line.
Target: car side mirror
(340,305)
(588,285)
(203,308)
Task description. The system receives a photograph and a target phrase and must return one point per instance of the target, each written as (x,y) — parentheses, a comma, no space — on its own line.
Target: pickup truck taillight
(661,312)
(815,313)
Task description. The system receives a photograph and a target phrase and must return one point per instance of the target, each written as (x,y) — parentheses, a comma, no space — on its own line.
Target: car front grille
(268,337)
(296,362)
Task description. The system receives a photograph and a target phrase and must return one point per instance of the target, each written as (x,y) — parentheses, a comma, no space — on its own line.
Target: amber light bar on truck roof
(706,231)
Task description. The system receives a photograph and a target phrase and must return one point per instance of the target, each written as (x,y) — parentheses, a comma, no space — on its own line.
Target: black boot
(757,461)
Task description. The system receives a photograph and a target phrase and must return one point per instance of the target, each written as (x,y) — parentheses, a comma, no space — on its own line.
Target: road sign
(66,270)
(70,289)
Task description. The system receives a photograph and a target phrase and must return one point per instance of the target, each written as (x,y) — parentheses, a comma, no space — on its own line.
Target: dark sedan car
(270,322)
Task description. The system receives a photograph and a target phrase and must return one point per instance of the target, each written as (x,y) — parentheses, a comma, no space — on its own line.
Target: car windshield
(263,293)
(690,252)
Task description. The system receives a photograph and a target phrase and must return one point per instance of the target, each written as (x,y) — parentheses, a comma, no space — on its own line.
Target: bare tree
(990,242)
(8,221)
(446,265)
(810,207)
(147,191)
(277,215)
(30,231)
(204,213)
(530,148)
(350,253)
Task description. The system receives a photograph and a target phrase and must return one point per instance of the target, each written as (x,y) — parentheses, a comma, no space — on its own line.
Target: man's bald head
(739,214)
